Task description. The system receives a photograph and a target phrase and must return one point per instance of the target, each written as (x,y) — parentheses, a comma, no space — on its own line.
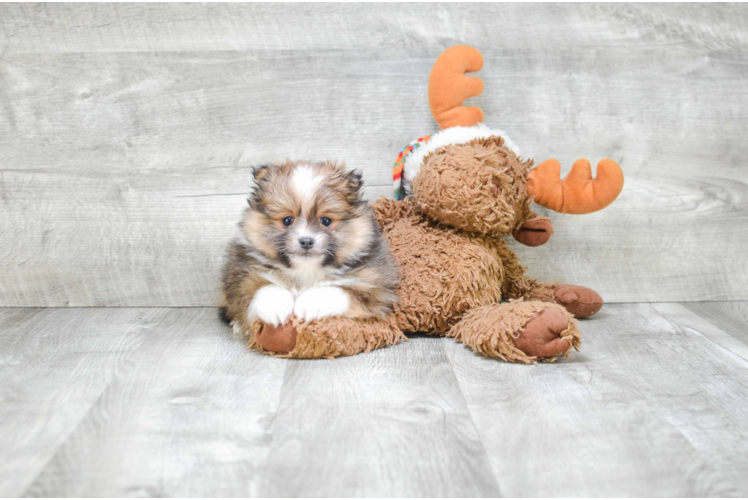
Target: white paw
(321,302)
(272,304)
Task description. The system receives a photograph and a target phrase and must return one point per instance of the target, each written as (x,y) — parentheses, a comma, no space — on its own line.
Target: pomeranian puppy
(309,246)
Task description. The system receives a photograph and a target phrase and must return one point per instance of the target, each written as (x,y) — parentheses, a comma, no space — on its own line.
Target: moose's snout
(535,232)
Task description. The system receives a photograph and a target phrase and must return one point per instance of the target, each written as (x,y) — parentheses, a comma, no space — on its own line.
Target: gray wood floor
(165,402)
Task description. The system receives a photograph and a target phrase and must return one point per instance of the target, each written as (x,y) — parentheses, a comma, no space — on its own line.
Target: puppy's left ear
(353,184)
(261,171)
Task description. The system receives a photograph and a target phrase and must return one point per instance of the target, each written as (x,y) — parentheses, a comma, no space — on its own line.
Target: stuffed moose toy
(458,194)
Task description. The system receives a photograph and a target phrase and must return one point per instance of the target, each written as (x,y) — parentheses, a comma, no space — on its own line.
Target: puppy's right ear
(261,171)
(259,174)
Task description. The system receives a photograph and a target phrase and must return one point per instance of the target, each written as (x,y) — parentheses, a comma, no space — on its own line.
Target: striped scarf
(397,170)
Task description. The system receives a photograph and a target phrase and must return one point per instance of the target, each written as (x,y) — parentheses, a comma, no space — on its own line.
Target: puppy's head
(303,214)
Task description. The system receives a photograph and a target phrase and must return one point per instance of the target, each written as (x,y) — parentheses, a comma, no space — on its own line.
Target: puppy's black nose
(306,243)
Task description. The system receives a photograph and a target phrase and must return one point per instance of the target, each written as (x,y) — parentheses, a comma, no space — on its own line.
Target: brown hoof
(280,339)
(578,300)
(542,335)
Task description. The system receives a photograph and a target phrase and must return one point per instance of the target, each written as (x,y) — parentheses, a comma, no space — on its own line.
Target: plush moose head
(471,177)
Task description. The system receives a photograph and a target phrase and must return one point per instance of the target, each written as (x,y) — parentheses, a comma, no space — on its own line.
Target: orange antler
(578,193)
(449,87)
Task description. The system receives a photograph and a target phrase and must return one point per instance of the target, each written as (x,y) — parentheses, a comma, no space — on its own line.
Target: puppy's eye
(325,221)
(287,221)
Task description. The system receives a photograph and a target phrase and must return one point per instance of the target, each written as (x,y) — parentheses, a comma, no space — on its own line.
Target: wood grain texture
(719,330)
(654,404)
(34,28)
(127,131)
(190,417)
(54,366)
(390,423)
(730,317)
(166,402)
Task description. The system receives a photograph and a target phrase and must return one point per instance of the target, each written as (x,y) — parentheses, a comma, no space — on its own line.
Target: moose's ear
(262,171)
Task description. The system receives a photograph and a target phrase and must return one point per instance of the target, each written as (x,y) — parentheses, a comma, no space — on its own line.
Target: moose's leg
(578,300)
(324,338)
(519,331)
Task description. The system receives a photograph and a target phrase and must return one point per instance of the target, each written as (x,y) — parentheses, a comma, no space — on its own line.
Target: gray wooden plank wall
(127,132)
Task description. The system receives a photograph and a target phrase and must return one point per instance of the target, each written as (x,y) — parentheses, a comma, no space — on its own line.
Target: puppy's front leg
(272,304)
(321,302)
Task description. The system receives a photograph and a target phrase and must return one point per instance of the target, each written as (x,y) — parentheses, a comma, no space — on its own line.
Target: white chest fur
(307,271)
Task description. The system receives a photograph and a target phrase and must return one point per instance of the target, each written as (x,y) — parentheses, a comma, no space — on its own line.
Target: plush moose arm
(516,284)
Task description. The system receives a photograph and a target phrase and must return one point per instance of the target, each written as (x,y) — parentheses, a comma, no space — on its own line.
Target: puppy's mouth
(306,253)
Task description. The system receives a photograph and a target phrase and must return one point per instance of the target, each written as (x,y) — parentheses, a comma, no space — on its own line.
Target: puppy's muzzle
(306,243)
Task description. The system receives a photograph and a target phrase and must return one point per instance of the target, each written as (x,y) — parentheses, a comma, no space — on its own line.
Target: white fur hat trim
(446,137)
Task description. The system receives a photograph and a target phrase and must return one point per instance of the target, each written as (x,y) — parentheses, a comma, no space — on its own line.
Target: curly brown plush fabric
(493,330)
(444,272)
(333,337)
(480,187)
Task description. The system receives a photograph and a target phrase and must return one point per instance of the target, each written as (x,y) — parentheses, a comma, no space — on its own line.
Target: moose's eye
(287,221)
(325,221)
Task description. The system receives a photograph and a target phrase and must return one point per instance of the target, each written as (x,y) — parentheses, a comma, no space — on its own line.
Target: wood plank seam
(474,426)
